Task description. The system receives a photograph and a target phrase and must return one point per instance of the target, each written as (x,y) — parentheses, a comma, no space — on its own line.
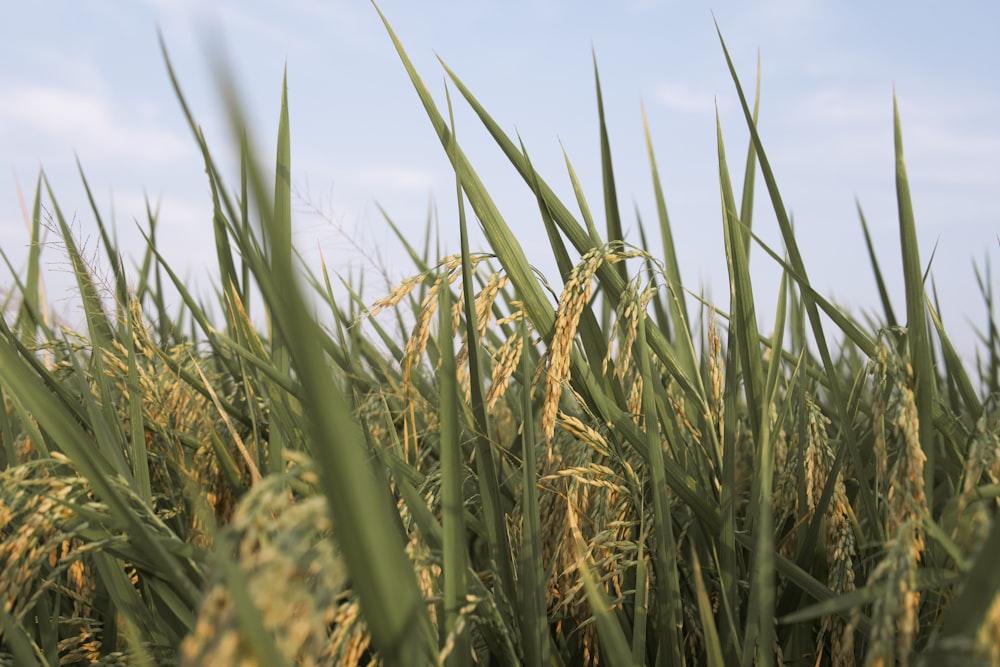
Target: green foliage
(603,475)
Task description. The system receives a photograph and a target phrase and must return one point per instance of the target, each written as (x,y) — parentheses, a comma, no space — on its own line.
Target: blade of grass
(540,312)
(955,369)
(713,648)
(729,568)
(611,213)
(97,319)
(594,342)
(842,605)
(750,171)
(848,326)
(883,293)
(31,313)
(990,337)
(581,239)
(138,455)
(281,242)
(488,477)
(668,596)
(420,261)
(503,243)
(31,323)
(762,578)
(110,247)
(498,634)
(970,608)
(534,629)
(744,332)
(869,511)
(640,610)
(454,562)
(677,303)
(18,642)
(581,199)
(916,318)
(743,338)
(365,518)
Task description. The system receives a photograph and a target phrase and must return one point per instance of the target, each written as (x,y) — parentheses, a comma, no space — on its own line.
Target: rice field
(487,466)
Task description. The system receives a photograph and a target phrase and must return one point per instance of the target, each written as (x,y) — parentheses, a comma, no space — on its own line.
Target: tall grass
(483,467)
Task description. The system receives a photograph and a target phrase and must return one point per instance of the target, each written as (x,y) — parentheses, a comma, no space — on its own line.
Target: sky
(87,81)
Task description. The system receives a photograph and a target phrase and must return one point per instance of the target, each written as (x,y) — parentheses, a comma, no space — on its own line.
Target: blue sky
(87,79)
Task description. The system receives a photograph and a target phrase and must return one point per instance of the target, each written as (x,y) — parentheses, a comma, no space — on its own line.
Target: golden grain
(507,359)
(574,297)
(584,433)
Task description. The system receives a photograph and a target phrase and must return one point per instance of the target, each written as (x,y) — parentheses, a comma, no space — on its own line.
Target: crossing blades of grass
(581,239)
(797,263)
(677,303)
(486,463)
(359,501)
(542,315)
(668,596)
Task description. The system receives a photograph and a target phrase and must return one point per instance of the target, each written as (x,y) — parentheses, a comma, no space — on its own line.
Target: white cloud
(681,96)
(235,20)
(184,233)
(183,8)
(336,13)
(396,178)
(839,104)
(953,154)
(227,20)
(89,122)
(944,133)
(642,6)
(784,15)
(173,212)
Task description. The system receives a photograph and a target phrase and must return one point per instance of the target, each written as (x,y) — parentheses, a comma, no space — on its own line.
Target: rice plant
(488,466)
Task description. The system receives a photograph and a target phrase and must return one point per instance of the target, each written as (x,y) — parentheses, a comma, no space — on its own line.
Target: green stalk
(668,598)
(360,502)
(614,221)
(486,463)
(795,258)
(452,499)
(678,305)
(916,318)
(531,572)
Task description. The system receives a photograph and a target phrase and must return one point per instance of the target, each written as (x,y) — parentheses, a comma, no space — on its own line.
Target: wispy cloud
(280,25)
(954,154)
(642,6)
(183,235)
(386,177)
(950,133)
(682,96)
(172,211)
(842,104)
(89,122)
